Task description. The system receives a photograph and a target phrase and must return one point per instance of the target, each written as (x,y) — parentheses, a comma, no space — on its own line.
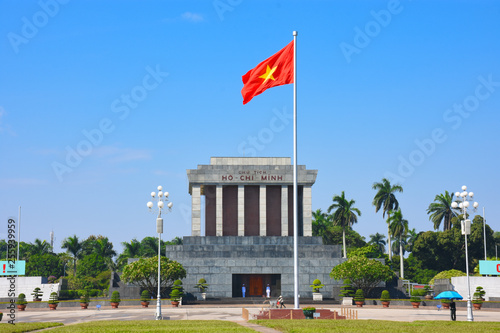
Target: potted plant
(346,292)
(385,298)
(202,286)
(309,312)
(53,301)
(84,300)
(175,297)
(428,291)
(145,297)
(115,299)
(21,302)
(481,292)
(477,300)
(415,301)
(37,294)
(317,285)
(445,303)
(359,298)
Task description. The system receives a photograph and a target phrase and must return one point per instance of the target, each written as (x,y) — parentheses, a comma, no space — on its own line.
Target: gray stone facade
(241,172)
(218,259)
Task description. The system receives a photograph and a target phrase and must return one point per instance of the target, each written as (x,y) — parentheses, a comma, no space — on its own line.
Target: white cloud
(192,17)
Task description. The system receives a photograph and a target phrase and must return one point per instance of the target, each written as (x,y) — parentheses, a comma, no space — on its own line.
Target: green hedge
(75,294)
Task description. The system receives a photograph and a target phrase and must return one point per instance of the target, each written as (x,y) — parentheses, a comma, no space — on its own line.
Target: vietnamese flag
(276,70)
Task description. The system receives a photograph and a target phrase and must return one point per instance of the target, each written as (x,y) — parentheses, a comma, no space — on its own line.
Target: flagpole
(295,187)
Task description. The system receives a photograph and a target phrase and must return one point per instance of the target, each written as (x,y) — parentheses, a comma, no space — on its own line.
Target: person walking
(453,310)
(280,302)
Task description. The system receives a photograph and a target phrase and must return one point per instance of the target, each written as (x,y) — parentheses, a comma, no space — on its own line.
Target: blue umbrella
(449,294)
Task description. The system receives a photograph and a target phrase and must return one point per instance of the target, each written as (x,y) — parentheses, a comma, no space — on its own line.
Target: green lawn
(25,327)
(327,326)
(155,326)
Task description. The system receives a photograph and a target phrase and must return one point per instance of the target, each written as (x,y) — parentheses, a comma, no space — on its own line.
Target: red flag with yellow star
(276,70)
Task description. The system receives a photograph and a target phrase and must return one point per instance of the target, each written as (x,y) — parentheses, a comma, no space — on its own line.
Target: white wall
(490,284)
(26,285)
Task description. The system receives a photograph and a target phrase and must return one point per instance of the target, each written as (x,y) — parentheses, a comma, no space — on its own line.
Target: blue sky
(143,90)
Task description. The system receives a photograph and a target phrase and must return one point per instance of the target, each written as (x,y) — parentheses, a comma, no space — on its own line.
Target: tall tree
(398,228)
(74,247)
(40,247)
(344,215)
(386,200)
(132,249)
(412,237)
(440,210)
(320,225)
(379,241)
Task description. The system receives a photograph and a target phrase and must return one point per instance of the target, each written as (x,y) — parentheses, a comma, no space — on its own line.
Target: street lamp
(160,199)
(466,198)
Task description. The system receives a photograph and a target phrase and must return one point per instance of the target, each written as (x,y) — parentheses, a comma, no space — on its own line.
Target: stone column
(284,210)
(241,210)
(218,210)
(262,211)
(307,211)
(195,210)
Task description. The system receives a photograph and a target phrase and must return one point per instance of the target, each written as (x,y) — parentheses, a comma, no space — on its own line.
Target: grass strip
(25,327)
(327,326)
(155,326)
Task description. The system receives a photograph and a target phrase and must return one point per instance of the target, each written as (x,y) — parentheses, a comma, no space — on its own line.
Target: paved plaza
(234,313)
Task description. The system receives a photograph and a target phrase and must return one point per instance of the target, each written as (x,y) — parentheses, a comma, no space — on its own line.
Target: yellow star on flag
(268,74)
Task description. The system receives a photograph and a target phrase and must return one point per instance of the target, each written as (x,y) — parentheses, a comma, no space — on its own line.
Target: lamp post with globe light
(160,199)
(466,199)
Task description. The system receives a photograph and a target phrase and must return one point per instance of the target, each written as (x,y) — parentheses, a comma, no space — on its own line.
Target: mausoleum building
(245,237)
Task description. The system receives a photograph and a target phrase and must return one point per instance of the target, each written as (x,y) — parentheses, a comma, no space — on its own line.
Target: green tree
(144,273)
(367,251)
(74,247)
(175,241)
(149,246)
(415,272)
(385,199)
(353,239)
(398,227)
(447,275)
(379,241)
(131,250)
(440,211)
(344,215)
(364,273)
(412,237)
(44,265)
(91,265)
(40,247)
(99,245)
(321,223)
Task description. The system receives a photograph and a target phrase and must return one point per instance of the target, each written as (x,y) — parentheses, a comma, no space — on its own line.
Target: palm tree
(74,247)
(320,225)
(398,227)
(103,247)
(344,215)
(132,249)
(440,210)
(40,247)
(396,250)
(386,200)
(412,237)
(379,241)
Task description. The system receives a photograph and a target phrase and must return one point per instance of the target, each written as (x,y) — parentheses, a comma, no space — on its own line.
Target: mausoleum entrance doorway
(255,284)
